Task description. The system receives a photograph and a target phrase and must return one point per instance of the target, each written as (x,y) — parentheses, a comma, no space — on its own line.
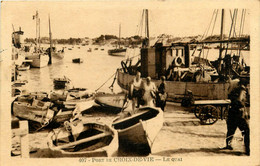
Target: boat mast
(36,18)
(119,36)
(221,38)
(39,39)
(50,36)
(147,27)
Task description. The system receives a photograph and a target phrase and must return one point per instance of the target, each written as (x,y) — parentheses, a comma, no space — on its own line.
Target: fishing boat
(113,101)
(54,54)
(39,57)
(138,132)
(118,51)
(23,67)
(78,139)
(89,50)
(33,110)
(177,64)
(77,60)
(61,83)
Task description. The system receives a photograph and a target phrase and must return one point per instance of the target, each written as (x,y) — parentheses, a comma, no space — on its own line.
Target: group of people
(144,92)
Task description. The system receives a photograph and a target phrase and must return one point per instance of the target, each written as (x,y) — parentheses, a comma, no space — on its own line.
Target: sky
(91,19)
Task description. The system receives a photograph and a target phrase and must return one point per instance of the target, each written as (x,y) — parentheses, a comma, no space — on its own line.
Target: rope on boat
(111,87)
(105,82)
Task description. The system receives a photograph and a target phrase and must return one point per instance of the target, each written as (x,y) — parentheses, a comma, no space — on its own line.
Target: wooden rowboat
(85,103)
(139,131)
(78,139)
(37,111)
(113,101)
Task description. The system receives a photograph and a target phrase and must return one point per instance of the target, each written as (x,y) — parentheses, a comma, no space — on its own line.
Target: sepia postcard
(156,82)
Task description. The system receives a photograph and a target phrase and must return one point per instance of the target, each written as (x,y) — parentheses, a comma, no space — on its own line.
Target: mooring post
(24,138)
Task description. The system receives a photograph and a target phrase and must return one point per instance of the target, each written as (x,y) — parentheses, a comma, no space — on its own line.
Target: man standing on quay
(237,116)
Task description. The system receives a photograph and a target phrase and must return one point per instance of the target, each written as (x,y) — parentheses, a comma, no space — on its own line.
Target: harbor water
(96,69)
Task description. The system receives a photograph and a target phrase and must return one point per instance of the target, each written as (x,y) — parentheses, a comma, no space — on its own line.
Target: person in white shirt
(149,92)
(136,91)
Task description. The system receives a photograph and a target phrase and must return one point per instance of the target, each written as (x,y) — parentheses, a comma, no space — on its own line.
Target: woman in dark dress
(161,94)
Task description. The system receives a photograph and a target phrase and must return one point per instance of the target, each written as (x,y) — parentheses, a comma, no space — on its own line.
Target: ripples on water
(96,68)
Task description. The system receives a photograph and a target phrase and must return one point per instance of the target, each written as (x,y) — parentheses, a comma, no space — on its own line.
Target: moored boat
(113,101)
(79,96)
(38,60)
(118,51)
(139,131)
(23,67)
(33,110)
(61,83)
(78,139)
(182,70)
(39,57)
(54,54)
(77,60)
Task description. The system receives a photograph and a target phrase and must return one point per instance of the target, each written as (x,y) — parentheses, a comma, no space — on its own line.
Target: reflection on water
(96,68)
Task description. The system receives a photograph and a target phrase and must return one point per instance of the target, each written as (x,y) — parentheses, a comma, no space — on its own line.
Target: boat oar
(98,136)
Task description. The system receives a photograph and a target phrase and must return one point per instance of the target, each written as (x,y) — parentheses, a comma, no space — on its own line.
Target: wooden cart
(209,111)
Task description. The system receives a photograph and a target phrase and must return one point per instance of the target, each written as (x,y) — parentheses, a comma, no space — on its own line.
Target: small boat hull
(113,101)
(38,111)
(139,131)
(84,103)
(117,52)
(77,60)
(84,140)
(23,67)
(39,60)
(57,57)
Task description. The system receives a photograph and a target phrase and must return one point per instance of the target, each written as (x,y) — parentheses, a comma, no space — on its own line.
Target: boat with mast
(174,61)
(118,51)
(55,56)
(38,56)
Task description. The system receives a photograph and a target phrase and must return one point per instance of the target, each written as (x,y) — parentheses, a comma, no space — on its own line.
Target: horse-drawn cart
(209,111)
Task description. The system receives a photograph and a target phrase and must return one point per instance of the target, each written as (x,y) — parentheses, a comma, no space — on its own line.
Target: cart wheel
(208,115)
(197,110)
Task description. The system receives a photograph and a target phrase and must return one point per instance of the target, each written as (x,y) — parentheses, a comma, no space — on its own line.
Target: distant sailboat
(118,51)
(38,57)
